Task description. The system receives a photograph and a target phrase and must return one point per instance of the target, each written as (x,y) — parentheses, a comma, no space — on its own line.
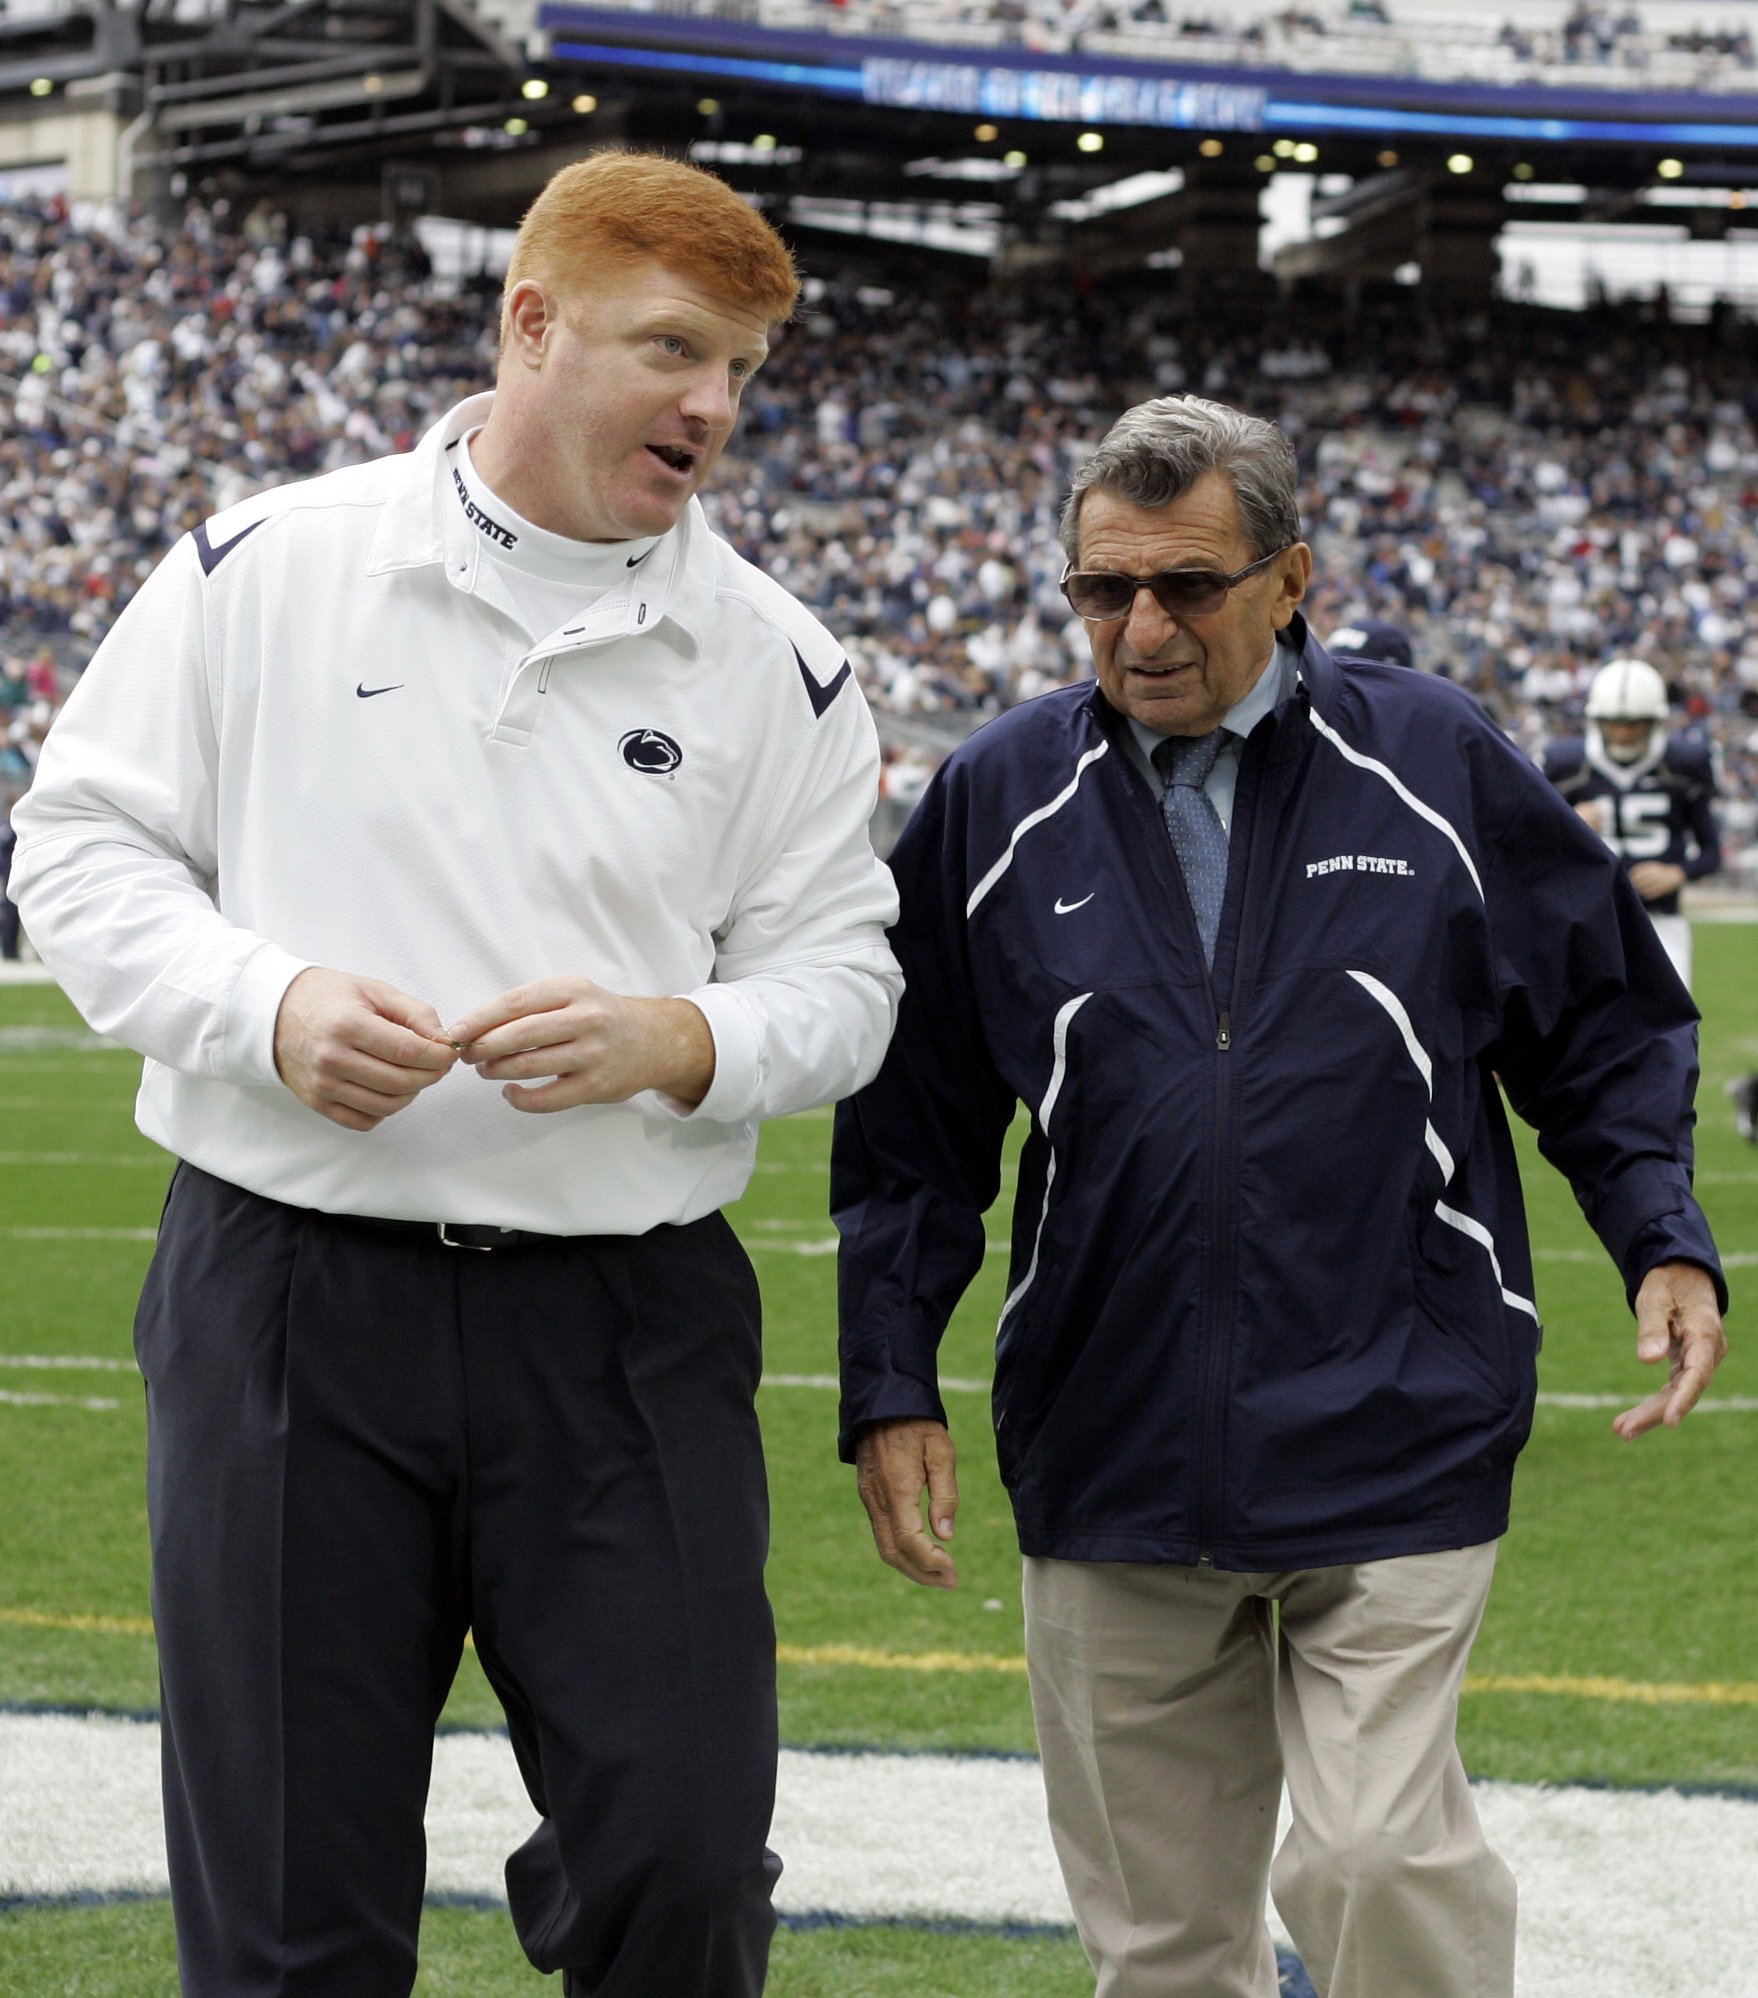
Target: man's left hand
(600,1047)
(1678,1320)
(1652,879)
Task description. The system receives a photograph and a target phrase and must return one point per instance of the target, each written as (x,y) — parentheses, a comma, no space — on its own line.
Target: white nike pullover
(319,735)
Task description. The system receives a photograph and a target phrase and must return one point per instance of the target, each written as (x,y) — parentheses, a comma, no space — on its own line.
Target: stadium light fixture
(708,107)
(1524,170)
(1460,163)
(41,86)
(516,128)
(1211,149)
(1013,159)
(1306,152)
(586,103)
(1283,149)
(1265,163)
(1091,142)
(986,134)
(1670,169)
(764,142)
(533,88)
(1386,159)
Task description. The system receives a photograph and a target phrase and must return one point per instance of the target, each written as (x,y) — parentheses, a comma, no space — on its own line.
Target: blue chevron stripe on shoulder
(821,697)
(212,557)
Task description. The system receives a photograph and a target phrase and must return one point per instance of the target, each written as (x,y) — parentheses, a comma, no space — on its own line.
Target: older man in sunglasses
(1252,935)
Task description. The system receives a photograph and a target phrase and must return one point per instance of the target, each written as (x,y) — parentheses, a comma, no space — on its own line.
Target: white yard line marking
(1738,1259)
(828,1383)
(32,1068)
(952,1384)
(47,1234)
(1733,1404)
(924,1837)
(824,1245)
(827,1245)
(60,1103)
(10,1400)
(42,1040)
(949,1383)
(91,1361)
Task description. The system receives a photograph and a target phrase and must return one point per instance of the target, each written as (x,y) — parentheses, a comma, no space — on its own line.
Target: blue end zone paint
(1294,1981)
(827,1918)
(62,1904)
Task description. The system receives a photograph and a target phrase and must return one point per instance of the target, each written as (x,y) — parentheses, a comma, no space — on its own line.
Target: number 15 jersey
(1659,807)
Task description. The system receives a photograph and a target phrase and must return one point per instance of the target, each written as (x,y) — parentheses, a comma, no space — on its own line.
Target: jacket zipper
(1218,1304)
(1214,1305)
(1223,1185)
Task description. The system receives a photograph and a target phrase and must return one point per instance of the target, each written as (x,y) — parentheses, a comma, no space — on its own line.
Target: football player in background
(1649,795)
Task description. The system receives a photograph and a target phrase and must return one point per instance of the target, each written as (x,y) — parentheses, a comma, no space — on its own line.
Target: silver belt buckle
(479,1248)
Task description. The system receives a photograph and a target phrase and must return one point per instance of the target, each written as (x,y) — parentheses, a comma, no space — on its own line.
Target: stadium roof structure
(954,132)
(1057,149)
(271,85)
(1137,90)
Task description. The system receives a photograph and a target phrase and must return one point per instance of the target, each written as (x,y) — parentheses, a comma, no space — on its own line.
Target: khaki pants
(1171,1709)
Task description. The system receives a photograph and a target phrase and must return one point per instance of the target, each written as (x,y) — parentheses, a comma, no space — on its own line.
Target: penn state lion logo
(650,752)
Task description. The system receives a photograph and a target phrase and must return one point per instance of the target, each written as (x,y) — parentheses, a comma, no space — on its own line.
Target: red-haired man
(492,757)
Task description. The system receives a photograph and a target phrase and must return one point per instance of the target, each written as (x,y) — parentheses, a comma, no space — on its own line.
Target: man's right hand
(357,1050)
(895,1461)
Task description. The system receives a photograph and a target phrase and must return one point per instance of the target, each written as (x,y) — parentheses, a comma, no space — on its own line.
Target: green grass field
(1628,1565)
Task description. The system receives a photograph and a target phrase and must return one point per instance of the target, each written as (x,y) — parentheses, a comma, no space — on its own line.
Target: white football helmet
(1627,690)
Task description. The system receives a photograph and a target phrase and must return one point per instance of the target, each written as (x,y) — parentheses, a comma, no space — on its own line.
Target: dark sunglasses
(1102,596)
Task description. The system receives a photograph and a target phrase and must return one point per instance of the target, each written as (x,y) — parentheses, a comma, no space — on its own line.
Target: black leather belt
(458,1234)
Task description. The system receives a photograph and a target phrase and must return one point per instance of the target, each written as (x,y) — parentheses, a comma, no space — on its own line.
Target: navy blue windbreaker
(1270,1300)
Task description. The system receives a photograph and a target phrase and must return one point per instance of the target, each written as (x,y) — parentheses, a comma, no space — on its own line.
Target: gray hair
(1155,452)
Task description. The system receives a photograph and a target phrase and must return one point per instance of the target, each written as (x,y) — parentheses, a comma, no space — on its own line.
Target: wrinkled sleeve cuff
(1674,1238)
(252,1010)
(738,1060)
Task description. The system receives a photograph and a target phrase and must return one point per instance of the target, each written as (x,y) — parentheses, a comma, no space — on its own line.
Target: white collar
(423,525)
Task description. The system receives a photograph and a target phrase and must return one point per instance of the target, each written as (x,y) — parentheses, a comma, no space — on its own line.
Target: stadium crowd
(1526,493)
(1615,40)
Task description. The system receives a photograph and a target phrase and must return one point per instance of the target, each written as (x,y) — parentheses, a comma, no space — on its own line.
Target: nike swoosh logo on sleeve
(1068,908)
(212,557)
(822,696)
(366,693)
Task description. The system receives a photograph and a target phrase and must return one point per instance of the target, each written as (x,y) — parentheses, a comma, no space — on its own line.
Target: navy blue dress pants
(363,1444)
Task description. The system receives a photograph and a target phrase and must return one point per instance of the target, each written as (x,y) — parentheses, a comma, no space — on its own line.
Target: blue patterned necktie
(1198,837)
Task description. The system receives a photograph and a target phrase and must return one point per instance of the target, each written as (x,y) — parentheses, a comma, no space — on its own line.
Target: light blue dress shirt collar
(1271,687)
